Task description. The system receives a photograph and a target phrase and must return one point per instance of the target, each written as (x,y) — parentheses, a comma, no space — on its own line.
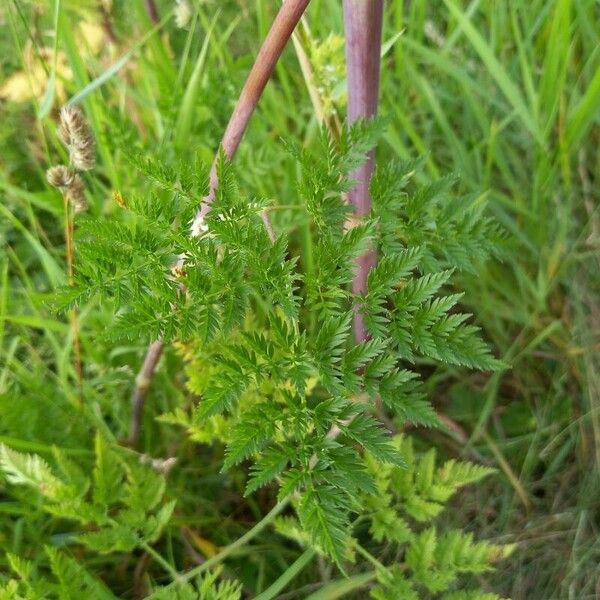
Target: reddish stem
(363,21)
(152,11)
(142,383)
(284,24)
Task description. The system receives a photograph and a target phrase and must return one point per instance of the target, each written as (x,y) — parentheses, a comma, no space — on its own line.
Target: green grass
(506,94)
(500,101)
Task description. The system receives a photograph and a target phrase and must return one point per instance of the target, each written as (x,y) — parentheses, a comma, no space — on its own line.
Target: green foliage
(30,470)
(327,61)
(73,581)
(271,362)
(120,507)
(67,580)
(505,94)
(419,487)
(436,561)
(401,515)
(206,587)
(413,495)
(283,385)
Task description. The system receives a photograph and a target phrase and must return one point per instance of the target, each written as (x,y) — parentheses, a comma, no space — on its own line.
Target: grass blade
(496,70)
(586,113)
(48,98)
(339,589)
(192,89)
(118,65)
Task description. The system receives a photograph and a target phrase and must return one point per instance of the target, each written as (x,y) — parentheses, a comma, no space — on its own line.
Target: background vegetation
(506,94)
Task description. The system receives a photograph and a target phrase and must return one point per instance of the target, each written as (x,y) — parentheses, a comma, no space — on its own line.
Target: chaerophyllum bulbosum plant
(306,374)
(274,369)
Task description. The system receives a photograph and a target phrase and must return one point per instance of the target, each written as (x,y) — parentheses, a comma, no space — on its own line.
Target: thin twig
(362,27)
(288,575)
(160,560)
(281,30)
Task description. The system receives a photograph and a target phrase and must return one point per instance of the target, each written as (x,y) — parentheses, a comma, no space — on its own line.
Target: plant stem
(142,383)
(229,550)
(292,571)
(342,587)
(160,560)
(363,21)
(268,55)
(366,554)
(152,11)
(281,30)
(69,231)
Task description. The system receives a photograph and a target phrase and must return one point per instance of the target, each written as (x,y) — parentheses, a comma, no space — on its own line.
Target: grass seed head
(76,194)
(60,176)
(83,157)
(75,132)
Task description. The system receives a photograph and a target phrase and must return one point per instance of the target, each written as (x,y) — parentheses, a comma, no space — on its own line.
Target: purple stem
(363,21)
(152,11)
(142,383)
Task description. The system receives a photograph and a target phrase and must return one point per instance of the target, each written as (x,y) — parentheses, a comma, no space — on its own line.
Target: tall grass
(506,94)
